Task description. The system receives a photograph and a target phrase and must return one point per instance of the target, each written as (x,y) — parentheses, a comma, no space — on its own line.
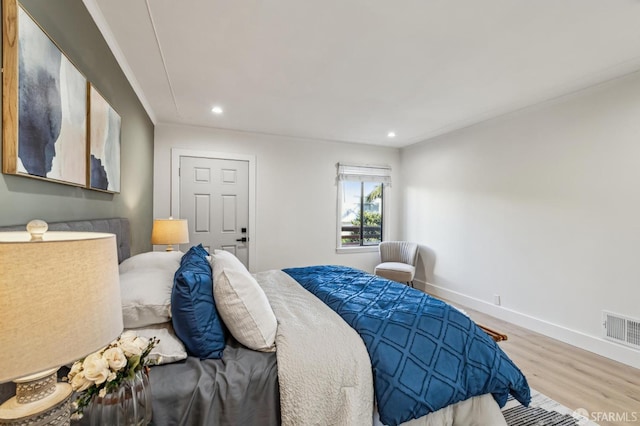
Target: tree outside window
(361,213)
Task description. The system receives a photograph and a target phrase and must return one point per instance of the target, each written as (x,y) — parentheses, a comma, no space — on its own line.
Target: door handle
(243,239)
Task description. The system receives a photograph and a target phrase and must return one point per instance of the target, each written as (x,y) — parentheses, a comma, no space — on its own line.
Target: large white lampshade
(59,301)
(170,231)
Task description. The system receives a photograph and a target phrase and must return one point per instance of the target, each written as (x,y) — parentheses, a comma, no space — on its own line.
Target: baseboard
(581,340)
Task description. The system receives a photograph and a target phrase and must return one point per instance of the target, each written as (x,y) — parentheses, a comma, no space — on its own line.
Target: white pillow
(152,259)
(146,296)
(169,349)
(242,304)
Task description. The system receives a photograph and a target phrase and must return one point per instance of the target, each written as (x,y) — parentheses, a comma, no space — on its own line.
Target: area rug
(543,411)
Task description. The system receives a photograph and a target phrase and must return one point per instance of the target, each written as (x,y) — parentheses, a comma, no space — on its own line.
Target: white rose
(96,368)
(132,344)
(142,343)
(116,359)
(102,392)
(128,335)
(75,369)
(80,382)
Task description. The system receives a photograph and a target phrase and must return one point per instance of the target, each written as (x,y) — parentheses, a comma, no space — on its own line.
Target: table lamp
(59,301)
(170,231)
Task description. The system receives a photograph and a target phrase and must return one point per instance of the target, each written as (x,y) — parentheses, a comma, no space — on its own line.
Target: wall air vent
(621,329)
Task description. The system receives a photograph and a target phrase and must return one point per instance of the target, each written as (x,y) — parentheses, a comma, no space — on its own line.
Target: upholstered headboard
(118,226)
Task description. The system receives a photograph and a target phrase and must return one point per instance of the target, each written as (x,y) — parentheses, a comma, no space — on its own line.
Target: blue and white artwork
(52,105)
(104,135)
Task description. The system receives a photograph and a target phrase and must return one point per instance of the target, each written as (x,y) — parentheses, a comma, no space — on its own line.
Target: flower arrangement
(104,371)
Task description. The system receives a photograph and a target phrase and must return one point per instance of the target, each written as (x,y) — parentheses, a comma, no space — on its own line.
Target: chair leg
(411,283)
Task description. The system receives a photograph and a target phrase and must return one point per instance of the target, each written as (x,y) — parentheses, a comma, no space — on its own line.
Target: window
(360,205)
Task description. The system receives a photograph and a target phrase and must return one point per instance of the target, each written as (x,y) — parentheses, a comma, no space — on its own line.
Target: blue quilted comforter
(425,354)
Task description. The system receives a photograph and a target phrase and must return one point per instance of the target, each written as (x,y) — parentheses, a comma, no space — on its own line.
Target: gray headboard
(118,226)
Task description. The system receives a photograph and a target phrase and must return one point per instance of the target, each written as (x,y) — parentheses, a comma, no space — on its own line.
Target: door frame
(176,153)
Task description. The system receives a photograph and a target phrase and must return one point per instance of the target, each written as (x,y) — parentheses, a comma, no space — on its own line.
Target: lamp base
(169,247)
(40,400)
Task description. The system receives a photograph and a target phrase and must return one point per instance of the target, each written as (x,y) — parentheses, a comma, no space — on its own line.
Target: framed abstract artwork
(104,144)
(44,104)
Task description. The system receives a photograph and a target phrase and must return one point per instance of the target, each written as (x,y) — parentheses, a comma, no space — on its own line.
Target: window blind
(366,173)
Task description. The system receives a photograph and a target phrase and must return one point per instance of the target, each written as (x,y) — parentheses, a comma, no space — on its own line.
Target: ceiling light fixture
(216,110)
(391,134)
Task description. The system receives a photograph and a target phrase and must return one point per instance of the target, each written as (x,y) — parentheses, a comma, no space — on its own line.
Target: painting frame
(44,99)
(103,143)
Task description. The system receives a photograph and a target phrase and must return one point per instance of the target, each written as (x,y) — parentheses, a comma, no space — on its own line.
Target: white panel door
(214,198)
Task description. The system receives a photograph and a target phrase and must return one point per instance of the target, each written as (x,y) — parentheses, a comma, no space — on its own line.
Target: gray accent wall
(69,24)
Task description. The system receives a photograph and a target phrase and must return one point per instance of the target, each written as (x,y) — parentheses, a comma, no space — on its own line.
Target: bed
(316,360)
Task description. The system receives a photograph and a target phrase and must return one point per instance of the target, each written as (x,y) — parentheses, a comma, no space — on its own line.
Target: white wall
(541,207)
(296,192)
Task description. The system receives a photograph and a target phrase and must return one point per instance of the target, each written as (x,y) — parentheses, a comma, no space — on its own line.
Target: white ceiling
(352,70)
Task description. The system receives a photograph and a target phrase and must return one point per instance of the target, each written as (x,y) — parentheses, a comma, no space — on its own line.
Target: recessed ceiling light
(216,110)
(391,134)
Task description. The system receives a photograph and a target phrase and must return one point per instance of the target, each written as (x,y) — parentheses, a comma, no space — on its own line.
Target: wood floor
(569,375)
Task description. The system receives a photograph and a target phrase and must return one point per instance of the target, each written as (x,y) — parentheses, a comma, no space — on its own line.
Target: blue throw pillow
(198,250)
(193,310)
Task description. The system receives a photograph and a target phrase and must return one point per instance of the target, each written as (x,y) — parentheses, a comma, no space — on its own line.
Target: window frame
(385,181)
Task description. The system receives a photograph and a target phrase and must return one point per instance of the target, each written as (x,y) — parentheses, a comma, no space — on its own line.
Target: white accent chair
(398,261)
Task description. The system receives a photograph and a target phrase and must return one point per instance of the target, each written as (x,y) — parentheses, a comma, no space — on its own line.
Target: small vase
(128,405)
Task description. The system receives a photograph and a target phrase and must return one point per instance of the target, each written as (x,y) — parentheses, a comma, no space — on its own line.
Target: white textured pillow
(170,348)
(242,304)
(152,259)
(146,296)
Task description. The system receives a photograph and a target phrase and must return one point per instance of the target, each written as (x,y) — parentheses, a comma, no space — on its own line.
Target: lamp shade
(59,299)
(170,231)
